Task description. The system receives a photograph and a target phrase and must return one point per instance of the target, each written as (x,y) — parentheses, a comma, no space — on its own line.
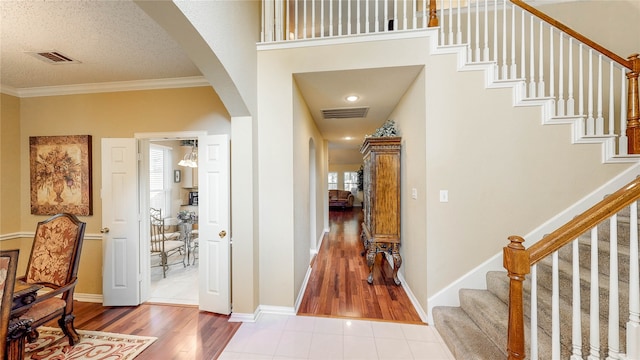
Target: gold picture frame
(61,174)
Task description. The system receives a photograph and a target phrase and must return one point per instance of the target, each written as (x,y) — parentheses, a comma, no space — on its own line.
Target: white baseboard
(92,298)
(303,288)
(413,298)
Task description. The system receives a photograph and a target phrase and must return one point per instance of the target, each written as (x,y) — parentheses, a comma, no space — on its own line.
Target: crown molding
(116,86)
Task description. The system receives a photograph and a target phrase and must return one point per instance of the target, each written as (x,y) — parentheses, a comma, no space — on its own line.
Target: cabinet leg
(371,259)
(397,262)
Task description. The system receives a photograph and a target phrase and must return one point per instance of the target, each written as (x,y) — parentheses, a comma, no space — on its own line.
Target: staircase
(477,329)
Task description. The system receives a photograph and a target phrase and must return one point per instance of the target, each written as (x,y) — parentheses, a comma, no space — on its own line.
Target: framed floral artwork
(60,174)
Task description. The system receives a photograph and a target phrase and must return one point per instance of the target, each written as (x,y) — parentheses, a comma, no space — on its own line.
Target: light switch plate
(444,195)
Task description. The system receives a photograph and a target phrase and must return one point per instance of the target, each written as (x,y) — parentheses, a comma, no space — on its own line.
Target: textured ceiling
(113,40)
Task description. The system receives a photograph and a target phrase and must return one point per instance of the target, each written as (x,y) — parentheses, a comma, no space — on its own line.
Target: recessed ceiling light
(348,138)
(352,98)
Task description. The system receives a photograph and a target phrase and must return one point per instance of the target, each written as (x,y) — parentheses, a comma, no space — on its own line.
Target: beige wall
(307,160)
(612,23)
(10,157)
(107,115)
(505,173)
(410,115)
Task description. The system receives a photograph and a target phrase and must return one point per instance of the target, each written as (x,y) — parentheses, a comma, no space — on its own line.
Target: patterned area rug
(52,345)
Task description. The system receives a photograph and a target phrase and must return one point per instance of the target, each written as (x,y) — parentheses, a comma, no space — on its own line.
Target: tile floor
(304,337)
(179,287)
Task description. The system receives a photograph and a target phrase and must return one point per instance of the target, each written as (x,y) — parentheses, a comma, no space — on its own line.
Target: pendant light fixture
(190,159)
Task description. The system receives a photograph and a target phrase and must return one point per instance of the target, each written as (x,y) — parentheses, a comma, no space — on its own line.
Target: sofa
(340,198)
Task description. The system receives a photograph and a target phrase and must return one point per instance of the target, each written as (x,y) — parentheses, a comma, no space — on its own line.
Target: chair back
(157,230)
(8,267)
(55,254)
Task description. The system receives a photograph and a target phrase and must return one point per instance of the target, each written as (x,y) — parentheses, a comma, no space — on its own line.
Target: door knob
(104,230)
(222,234)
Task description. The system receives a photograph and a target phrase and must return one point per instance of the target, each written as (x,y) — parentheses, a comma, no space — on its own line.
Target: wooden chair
(8,267)
(53,263)
(165,244)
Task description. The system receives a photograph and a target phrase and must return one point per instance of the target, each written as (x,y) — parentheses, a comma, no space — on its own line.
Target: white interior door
(120,215)
(213,223)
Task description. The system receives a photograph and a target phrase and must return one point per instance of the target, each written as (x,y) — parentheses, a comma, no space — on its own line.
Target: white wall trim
(476,278)
(303,288)
(245,317)
(91,298)
(413,298)
(116,86)
(31,234)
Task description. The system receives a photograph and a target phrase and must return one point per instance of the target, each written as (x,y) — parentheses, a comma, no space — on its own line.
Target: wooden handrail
(518,260)
(576,35)
(603,210)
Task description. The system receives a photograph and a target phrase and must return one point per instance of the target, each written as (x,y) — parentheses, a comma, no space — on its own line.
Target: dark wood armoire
(381,226)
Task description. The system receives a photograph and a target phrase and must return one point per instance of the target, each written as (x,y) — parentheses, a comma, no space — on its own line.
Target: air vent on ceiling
(345,113)
(53,57)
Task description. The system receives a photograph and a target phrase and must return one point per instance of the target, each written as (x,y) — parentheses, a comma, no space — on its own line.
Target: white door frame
(146,138)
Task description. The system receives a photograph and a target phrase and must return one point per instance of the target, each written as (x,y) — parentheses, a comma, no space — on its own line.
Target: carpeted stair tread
(463,336)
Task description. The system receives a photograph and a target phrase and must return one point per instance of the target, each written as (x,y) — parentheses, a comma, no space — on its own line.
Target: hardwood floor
(338,283)
(182,331)
(337,288)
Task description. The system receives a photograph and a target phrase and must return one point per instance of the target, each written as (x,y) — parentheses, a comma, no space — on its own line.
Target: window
(333,180)
(350,180)
(159,179)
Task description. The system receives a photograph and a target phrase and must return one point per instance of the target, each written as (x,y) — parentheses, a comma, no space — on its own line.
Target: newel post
(633,106)
(433,13)
(516,261)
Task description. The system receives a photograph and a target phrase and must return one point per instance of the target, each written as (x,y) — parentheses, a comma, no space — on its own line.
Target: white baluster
(555,308)
(534,312)
(425,21)
(552,79)
(514,66)
(623,141)
(348,17)
(633,325)
(576,320)
(450,22)
(469,32)
(313,18)
(560,104)
(331,17)
(322,17)
(532,62)
(485,51)
(594,301)
(570,101)
(442,23)
(404,15)
(304,20)
(477,57)
(600,119)
(523,46)
(366,17)
(386,17)
(541,63)
(496,64)
(377,29)
(459,30)
(339,17)
(580,81)
(505,70)
(296,29)
(614,316)
(590,120)
(611,103)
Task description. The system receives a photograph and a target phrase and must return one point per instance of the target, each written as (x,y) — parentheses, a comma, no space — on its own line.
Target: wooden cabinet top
(381,143)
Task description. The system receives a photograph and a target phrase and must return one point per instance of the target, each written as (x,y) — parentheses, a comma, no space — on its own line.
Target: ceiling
(115,41)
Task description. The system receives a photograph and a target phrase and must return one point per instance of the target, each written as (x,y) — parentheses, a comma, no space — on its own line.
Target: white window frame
(166,179)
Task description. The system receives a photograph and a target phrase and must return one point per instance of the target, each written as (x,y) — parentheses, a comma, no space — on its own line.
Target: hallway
(338,283)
